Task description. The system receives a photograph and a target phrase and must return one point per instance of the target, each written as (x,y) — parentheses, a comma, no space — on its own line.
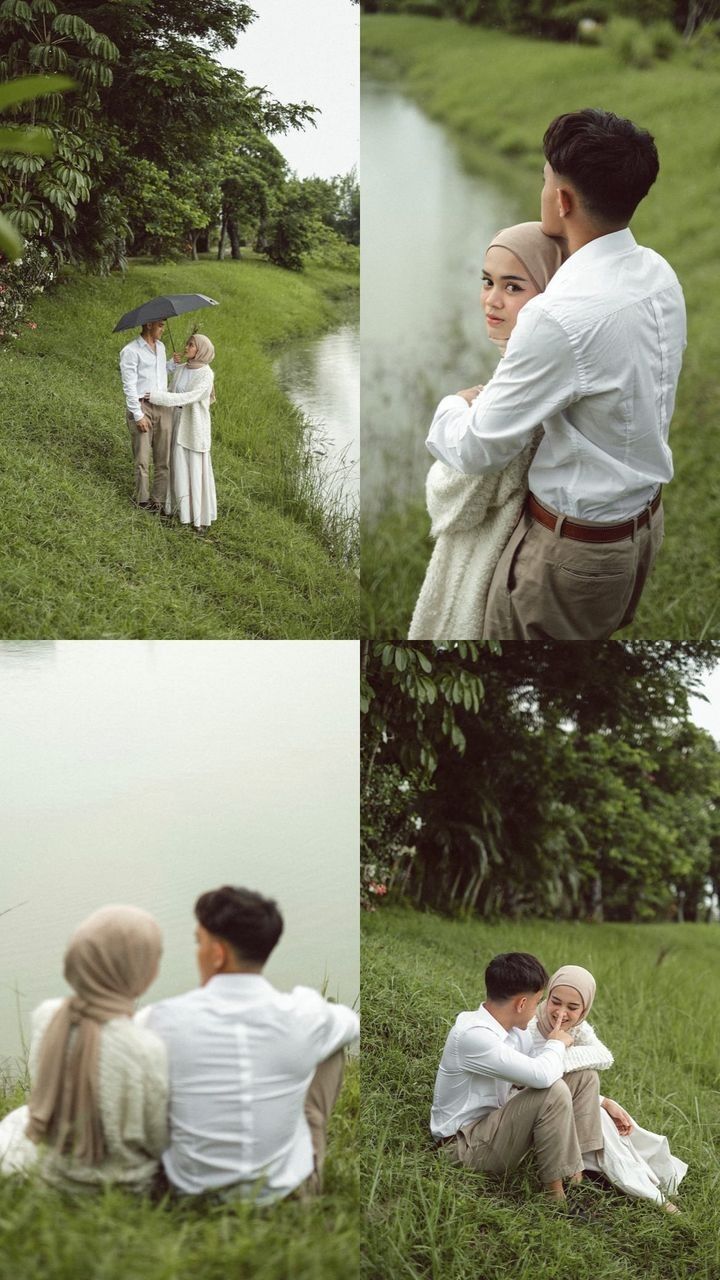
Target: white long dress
(191,492)
(641,1164)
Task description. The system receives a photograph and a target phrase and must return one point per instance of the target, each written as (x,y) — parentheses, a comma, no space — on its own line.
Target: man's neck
(502,1013)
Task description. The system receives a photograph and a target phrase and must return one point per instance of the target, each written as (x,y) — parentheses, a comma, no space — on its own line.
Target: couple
(227,1089)
(521,1072)
(179,444)
(546,497)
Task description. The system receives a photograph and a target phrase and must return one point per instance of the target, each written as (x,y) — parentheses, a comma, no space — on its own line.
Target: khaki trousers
(559,1123)
(157,442)
(320,1099)
(549,587)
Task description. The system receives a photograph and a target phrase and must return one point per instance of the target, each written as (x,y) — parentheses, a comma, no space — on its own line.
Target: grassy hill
(655,1008)
(496,94)
(78,561)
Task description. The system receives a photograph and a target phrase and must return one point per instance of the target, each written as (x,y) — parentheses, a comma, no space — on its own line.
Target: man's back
(241,1056)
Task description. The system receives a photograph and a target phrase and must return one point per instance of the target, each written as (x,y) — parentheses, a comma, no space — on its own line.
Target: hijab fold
(571,975)
(110,960)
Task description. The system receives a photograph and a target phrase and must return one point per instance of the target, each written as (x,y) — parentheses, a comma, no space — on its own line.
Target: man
(143,368)
(595,359)
(492,1102)
(254,1072)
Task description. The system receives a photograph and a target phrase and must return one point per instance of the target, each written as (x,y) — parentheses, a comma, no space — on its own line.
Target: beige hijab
(539,254)
(571,975)
(110,960)
(205,354)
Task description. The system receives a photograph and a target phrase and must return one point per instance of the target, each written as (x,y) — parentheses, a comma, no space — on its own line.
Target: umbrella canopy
(171,304)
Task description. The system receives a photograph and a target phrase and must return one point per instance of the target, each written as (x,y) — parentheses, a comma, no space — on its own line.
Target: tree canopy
(561,780)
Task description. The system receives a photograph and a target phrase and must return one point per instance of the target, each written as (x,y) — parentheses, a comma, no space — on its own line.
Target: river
(425,226)
(148,772)
(321,376)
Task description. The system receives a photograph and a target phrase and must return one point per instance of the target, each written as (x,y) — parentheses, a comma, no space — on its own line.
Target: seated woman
(97,1112)
(474,516)
(192,483)
(636,1161)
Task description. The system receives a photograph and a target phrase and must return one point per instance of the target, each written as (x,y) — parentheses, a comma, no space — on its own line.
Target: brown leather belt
(588,532)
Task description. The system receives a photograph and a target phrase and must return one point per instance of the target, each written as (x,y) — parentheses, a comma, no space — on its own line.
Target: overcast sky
(707,714)
(308,51)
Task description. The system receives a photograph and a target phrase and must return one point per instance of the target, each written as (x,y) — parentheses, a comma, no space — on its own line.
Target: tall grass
(656,1009)
(496,94)
(78,561)
(47,1235)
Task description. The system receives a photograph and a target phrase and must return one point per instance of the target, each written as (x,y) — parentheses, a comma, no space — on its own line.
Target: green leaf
(29,87)
(31,142)
(424,661)
(401,659)
(10,242)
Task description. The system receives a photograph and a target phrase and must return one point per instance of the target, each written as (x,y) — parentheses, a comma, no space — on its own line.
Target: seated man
(254,1072)
(477,1115)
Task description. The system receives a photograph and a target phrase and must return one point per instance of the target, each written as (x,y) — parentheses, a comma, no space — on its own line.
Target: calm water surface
(425,227)
(322,378)
(149,772)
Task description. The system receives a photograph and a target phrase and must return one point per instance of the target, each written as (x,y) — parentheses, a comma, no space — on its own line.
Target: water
(425,227)
(147,772)
(322,378)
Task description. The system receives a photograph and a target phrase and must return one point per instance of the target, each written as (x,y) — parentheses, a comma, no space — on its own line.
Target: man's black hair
(609,160)
(514,973)
(250,923)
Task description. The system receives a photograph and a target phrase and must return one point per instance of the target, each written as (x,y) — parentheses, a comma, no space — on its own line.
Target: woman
(192,484)
(473,516)
(634,1160)
(97,1112)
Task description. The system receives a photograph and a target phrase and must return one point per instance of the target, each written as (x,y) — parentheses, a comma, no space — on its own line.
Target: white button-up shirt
(481,1062)
(142,370)
(595,359)
(241,1056)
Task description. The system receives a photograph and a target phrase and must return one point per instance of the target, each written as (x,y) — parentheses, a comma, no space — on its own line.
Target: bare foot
(669,1207)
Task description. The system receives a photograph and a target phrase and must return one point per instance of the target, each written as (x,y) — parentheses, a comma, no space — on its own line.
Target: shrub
(629,42)
(20,281)
(665,40)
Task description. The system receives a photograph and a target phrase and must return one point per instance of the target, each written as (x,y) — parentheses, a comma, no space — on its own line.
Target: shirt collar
(604,247)
(229,985)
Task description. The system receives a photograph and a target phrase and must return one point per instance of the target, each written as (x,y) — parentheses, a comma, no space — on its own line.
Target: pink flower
(378,889)
(31,324)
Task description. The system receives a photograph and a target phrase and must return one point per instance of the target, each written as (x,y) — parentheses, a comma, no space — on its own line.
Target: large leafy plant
(31,143)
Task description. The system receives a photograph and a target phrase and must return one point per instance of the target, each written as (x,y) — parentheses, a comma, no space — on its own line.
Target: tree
(17,140)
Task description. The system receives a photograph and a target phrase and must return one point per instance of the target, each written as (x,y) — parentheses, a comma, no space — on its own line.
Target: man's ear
(520,1003)
(564,201)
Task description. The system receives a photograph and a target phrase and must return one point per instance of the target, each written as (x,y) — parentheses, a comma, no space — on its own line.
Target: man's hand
(620,1118)
(143,424)
(557,1033)
(471,394)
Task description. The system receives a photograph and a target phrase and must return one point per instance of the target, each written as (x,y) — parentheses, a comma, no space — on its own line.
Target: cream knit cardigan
(194,425)
(472,519)
(133,1100)
(586,1054)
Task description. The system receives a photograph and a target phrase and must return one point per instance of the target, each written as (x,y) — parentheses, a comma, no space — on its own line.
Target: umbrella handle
(170,335)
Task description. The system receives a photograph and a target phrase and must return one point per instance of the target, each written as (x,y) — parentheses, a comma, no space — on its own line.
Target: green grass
(45,1235)
(427,1218)
(496,94)
(78,561)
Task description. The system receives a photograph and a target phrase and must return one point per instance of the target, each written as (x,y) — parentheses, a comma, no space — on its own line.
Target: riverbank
(78,561)
(457,73)
(426,1218)
(45,1235)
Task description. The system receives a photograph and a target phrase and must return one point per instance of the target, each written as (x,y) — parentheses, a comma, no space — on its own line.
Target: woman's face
(567,1001)
(506,288)
(191,348)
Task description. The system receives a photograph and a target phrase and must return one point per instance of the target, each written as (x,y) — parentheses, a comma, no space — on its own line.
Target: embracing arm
(200,390)
(537,378)
(485,1055)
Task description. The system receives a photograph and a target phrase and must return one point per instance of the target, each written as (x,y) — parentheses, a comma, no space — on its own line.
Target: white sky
(308,51)
(707,714)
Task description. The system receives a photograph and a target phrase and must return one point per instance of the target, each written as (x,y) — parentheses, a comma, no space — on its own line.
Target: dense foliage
(158,145)
(564,780)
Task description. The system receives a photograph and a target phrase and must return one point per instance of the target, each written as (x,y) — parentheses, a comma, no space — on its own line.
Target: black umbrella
(171,304)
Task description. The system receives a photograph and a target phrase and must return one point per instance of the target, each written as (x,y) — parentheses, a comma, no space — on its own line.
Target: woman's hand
(471,394)
(620,1118)
(177,357)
